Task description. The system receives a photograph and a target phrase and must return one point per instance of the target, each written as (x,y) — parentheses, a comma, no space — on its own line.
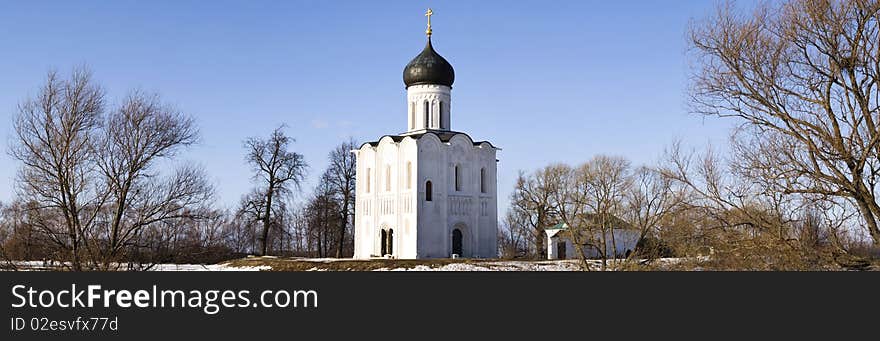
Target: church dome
(428,67)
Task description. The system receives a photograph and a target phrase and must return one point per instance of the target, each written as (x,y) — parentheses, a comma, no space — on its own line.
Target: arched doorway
(456,242)
(390,242)
(386,240)
(383,238)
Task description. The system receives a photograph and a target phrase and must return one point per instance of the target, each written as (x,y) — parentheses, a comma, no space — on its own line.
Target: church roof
(560,226)
(443,135)
(429,67)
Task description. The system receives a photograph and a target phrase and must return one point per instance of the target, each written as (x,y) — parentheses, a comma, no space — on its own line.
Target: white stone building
(429,192)
(560,244)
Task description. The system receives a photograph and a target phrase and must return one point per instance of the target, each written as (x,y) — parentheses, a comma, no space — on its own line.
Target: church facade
(429,192)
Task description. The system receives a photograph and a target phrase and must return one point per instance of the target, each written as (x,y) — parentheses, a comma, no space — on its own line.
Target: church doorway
(456,242)
(384,241)
(387,242)
(560,250)
(390,242)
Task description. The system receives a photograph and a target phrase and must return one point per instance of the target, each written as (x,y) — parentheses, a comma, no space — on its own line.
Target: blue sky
(545,81)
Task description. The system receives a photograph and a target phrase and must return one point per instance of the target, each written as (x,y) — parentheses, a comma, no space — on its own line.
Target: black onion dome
(428,68)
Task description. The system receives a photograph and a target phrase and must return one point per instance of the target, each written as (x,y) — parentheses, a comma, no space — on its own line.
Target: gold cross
(428,14)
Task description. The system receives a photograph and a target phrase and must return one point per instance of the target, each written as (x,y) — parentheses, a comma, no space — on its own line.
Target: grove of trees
(798,190)
(98,188)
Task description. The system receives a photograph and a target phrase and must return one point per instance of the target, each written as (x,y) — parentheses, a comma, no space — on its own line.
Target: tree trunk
(342,225)
(74,250)
(266,220)
(539,236)
(870,220)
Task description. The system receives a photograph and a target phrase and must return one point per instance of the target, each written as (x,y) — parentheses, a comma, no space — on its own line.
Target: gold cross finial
(428,14)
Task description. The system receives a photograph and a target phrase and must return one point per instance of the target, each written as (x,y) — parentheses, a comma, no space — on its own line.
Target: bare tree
(739,223)
(516,236)
(89,178)
(606,180)
(649,201)
(590,199)
(802,77)
(138,135)
(532,199)
(341,176)
(322,214)
(55,131)
(277,170)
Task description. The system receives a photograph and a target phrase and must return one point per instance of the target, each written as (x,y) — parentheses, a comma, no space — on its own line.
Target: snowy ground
(334,264)
(550,265)
(41,266)
(495,266)
(208,267)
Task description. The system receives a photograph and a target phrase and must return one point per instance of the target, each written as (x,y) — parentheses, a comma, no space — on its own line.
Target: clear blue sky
(544,80)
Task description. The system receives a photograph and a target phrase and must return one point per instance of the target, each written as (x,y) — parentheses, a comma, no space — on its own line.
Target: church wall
(423,229)
(387,153)
(466,208)
(383,204)
(406,199)
(365,201)
(432,241)
(463,200)
(487,207)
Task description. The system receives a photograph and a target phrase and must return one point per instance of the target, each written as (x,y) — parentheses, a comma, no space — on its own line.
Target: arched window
(368,180)
(457,178)
(427,114)
(388,178)
(440,110)
(428,190)
(482,180)
(408,175)
(412,115)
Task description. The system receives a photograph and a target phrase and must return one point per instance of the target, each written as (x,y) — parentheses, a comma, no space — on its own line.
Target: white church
(429,192)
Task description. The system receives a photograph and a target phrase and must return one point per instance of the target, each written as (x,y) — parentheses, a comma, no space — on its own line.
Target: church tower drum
(429,192)
(428,78)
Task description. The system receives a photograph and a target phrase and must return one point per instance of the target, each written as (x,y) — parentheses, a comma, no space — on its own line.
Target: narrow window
(440,110)
(483,180)
(457,179)
(434,114)
(412,115)
(427,116)
(428,189)
(408,175)
(388,178)
(368,180)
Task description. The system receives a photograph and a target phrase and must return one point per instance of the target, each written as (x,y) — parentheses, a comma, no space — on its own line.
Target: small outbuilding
(619,244)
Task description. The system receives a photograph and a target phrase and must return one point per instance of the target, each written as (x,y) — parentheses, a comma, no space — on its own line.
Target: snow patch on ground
(41,266)
(481,265)
(560,265)
(207,267)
